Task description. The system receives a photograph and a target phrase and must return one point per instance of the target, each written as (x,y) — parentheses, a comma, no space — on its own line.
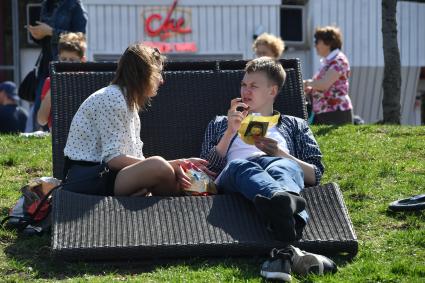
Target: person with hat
(12,117)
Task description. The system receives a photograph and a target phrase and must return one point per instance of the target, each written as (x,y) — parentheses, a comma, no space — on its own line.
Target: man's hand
(235,115)
(40,30)
(269,146)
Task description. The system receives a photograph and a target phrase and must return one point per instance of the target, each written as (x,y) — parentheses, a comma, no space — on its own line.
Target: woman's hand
(40,30)
(181,166)
(200,165)
(182,179)
(269,146)
(237,112)
(308,88)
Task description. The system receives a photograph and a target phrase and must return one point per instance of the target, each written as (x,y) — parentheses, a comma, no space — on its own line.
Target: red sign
(167,47)
(167,26)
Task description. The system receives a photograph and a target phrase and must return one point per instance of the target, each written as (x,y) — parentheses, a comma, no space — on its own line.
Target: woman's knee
(162,169)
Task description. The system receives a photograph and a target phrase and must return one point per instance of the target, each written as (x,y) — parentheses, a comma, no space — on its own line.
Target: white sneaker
(305,263)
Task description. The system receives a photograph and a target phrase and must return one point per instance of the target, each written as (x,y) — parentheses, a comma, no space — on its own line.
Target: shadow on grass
(33,252)
(404,215)
(324,130)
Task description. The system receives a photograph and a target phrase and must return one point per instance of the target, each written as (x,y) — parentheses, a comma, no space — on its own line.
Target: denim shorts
(81,178)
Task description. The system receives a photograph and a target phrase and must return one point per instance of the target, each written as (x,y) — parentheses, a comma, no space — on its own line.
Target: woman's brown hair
(330,36)
(139,69)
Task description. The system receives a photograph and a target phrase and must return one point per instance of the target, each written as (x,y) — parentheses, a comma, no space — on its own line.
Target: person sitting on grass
(106,129)
(71,48)
(12,117)
(274,170)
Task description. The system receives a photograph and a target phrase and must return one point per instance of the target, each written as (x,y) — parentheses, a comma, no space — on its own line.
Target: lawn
(373,166)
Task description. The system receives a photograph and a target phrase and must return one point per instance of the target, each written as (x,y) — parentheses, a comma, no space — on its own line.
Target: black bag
(28,86)
(87,179)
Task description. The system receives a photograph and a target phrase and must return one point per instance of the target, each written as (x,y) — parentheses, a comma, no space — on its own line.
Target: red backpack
(31,213)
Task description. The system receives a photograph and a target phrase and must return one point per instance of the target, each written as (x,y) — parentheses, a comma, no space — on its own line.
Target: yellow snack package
(254,125)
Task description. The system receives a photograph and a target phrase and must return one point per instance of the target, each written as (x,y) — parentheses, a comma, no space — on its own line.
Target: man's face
(69,56)
(257,91)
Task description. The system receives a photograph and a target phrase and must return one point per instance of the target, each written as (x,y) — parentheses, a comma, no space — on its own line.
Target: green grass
(373,165)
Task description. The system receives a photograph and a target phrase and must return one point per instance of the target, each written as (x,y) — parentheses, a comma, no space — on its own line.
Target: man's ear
(84,59)
(274,90)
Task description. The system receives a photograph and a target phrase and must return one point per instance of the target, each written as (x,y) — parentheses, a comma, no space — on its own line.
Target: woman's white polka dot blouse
(103,128)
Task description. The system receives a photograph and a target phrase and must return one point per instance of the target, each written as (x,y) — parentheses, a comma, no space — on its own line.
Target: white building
(225,29)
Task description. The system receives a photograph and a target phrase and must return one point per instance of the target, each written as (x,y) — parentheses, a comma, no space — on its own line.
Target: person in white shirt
(273,171)
(106,128)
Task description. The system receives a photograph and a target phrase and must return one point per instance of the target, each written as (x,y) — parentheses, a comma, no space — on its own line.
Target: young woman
(106,128)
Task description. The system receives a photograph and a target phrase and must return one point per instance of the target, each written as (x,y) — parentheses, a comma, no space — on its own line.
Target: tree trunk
(392,73)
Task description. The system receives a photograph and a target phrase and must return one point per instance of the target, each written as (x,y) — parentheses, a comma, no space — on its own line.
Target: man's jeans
(262,175)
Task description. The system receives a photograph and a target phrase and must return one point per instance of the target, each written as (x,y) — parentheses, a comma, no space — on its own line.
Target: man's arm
(305,146)
(44,110)
(271,148)
(309,151)
(214,147)
(209,146)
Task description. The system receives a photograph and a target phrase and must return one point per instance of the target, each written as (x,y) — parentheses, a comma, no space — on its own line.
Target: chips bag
(254,126)
(202,184)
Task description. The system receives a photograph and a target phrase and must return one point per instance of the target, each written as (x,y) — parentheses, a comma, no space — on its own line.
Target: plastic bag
(202,184)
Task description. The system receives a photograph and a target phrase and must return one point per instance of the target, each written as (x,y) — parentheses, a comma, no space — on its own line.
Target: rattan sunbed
(109,228)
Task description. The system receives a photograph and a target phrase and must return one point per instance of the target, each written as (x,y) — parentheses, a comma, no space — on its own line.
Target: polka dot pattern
(103,128)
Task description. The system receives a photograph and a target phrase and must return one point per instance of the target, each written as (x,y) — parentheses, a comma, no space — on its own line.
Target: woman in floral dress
(328,89)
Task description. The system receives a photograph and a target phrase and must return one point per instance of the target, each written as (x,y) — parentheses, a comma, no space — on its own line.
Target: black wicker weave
(174,126)
(114,228)
(92,227)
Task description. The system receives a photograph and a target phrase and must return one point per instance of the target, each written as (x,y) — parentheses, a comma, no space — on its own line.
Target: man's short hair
(73,42)
(272,68)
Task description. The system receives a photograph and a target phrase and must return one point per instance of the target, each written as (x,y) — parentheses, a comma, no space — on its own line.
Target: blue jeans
(264,175)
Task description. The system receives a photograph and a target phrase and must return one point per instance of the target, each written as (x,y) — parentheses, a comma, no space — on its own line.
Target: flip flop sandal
(409,204)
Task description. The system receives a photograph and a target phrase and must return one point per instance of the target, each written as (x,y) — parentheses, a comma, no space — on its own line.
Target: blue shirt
(12,119)
(63,16)
(299,138)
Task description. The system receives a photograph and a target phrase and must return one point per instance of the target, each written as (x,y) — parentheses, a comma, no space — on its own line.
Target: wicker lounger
(98,228)
(111,228)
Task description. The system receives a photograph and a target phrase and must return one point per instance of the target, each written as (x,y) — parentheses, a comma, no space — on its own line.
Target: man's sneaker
(304,263)
(278,267)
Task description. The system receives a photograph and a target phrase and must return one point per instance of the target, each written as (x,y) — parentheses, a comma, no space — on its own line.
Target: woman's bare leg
(154,174)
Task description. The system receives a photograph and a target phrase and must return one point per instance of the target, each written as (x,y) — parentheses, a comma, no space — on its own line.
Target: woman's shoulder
(110,96)
(339,62)
(341,57)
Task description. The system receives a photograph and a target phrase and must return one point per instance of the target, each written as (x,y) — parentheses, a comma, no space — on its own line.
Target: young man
(273,171)
(12,117)
(71,48)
